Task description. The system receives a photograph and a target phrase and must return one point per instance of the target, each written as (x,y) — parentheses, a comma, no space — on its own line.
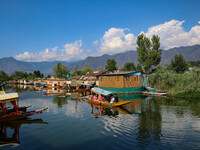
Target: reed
(179,85)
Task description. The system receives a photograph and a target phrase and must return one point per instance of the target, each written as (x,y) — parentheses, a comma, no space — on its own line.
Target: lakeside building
(123,82)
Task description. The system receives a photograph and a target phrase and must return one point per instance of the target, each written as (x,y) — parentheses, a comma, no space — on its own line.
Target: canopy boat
(16,112)
(101,92)
(83,87)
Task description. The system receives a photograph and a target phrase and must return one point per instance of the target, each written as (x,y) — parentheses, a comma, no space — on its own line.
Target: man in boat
(116,98)
(112,99)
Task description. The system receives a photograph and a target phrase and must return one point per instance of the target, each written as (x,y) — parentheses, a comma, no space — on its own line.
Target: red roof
(96,73)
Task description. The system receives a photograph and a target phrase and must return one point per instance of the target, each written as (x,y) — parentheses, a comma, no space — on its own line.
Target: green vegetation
(178,85)
(139,67)
(111,64)
(148,51)
(129,66)
(3,77)
(160,69)
(86,69)
(195,63)
(179,64)
(60,70)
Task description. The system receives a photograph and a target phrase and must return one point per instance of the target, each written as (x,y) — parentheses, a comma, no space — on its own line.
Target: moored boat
(16,112)
(105,93)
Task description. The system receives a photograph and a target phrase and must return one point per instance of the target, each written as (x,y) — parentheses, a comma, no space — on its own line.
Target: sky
(69,30)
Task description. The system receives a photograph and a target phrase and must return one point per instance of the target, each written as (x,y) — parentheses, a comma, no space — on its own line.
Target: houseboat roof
(124,73)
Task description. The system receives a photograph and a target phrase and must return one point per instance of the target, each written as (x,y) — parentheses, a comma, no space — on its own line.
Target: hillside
(10,65)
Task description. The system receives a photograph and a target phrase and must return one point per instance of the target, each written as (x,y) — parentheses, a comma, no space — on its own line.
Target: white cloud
(96,42)
(171,33)
(71,51)
(115,40)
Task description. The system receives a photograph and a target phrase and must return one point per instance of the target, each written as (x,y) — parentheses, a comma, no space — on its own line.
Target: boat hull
(5,117)
(107,104)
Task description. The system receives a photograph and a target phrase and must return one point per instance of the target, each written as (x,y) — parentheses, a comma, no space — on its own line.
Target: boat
(105,93)
(81,90)
(16,112)
(83,87)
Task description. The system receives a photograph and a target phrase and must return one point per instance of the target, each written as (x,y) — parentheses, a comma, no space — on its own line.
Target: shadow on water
(9,131)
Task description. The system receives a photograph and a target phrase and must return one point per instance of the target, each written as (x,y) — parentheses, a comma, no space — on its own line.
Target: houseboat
(123,82)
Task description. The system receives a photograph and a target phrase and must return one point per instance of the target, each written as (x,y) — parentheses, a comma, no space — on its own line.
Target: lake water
(146,123)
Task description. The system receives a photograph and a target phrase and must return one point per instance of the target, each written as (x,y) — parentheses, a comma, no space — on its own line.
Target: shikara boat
(16,112)
(81,90)
(83,87)
(105,93)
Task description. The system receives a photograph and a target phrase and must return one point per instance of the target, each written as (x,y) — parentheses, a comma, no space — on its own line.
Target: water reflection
(9,132)
(145,123)
(150,124)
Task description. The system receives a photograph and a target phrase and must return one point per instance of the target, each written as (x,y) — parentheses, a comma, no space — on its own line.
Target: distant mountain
(190,53)
(10,65)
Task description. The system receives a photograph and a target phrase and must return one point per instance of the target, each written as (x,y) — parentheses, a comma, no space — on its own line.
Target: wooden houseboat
(123,82)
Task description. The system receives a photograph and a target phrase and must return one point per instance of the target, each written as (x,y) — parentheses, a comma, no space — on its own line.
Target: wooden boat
(81,90)
(105,93)
(107,104)
(16,112)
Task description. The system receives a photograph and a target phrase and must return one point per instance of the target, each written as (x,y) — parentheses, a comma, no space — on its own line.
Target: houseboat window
(104,77)
(128,78)
(135,78)
(117,78)
(109,78)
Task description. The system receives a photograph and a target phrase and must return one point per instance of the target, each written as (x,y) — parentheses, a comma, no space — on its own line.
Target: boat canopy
(101,91)
(8,97)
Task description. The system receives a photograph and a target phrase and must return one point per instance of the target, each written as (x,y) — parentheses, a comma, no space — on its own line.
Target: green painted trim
(124,90)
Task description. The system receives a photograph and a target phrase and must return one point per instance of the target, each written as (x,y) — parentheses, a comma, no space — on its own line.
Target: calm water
(146,123)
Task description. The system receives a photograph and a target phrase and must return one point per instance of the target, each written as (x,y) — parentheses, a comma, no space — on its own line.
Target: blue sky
(68,30)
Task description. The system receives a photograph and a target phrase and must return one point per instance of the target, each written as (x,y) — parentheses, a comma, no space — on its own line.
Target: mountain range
(10,65)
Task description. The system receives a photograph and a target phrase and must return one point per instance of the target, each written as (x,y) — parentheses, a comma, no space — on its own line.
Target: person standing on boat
(116,98)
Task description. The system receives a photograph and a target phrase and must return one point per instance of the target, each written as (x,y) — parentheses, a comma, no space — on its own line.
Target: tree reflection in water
(9,131)
(150,124)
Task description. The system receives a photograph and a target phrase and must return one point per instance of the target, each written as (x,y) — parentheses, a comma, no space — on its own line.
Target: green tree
(160,69)
(86,69)
(111,64)
(77,73)
(19,75)
(179,64)
(3,77)
(60,70)
(37,74)
(128,66)
(139,67)
(148,51)
(48,76)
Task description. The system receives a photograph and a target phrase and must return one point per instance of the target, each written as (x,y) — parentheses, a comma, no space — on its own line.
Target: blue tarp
(100,91)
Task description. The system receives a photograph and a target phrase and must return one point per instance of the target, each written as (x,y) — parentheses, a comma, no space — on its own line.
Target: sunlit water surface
(146,123)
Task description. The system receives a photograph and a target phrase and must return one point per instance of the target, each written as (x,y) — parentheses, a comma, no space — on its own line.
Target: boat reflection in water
(9,132)
(139,103)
